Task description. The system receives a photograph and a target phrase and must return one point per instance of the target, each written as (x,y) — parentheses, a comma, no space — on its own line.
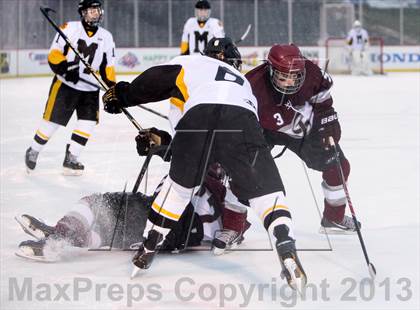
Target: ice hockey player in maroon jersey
(296,110)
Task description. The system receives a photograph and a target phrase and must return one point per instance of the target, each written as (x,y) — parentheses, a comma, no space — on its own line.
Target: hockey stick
(156,192)
(91,84)
(135,188)
(140,106)
(124,197)
(153,111)
(243,37)
(143,170)
(371,267)
(45,11)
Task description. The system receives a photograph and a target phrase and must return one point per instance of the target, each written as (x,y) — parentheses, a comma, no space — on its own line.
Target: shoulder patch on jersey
(63,26)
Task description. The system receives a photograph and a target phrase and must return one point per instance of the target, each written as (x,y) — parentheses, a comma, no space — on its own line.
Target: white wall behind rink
(135,60)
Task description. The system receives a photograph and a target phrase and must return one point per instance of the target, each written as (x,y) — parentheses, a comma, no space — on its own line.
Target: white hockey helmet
(357,24)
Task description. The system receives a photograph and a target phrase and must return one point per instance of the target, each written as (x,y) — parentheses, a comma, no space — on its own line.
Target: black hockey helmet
(202,10)
(203,4)
(225,50)
(86,4)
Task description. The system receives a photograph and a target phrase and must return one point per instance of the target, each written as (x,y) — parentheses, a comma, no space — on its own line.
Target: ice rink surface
(380,123)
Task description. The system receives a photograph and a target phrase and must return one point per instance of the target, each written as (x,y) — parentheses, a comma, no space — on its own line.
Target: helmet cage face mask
(91,12)
(287,82)
(202,15)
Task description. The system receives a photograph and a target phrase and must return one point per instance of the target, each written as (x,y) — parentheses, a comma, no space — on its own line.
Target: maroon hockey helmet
(287,68)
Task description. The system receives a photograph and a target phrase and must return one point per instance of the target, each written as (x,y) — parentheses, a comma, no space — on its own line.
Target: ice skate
(226,239)
(34,250)
(346,226)
(291,267)
(30,159)
(71,166)
(146,253)
(35,227)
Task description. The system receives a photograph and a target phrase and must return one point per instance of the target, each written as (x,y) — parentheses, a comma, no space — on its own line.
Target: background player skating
(72,88)
(199,30)
(358,44)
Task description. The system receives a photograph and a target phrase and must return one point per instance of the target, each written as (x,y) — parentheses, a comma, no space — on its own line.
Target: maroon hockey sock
(332,175)
(332,213)
(73,230)
(234,220)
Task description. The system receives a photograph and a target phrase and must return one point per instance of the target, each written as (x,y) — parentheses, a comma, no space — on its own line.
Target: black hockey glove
(325,125)
(153,137)
(72,73)
(115,98)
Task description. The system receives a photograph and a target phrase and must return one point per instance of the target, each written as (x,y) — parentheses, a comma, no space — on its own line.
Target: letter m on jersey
(87,52)
(200,38)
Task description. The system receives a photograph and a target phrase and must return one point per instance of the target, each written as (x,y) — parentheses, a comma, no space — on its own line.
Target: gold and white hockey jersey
(97,48)
(188,81)
(220,84)
(196,34)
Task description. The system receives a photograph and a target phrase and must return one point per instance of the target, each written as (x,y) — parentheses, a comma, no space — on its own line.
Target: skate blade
(135,272)
(335,231)
(41,259)
(228,249)
(26,228)
(29,171)
(72,172)
(297,279)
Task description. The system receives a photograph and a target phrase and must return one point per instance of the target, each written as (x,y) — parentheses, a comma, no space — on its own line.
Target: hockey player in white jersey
(214,114)
(73,88)
(358,43)
(199,30)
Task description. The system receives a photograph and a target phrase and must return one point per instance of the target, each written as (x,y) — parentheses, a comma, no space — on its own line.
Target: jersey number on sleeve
(87,52)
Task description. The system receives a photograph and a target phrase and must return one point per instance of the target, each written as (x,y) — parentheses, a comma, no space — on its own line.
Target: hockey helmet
(202,10)
(357,24)
(225,50)
(287,68)
(84,5)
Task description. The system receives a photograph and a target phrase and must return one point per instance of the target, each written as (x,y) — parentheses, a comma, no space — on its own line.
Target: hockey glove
(114,98)
(325,125)
(153,137)
(72,73)
(315,155)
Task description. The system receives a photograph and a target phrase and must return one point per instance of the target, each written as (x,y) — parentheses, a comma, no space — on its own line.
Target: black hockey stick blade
(243,37)
(46,10)
(372,271)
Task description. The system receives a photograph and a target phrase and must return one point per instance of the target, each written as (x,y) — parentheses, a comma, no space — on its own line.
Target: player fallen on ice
(92,221)
(208,95)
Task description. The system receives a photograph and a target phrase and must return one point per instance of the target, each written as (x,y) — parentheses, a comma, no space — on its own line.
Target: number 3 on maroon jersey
(279,119)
